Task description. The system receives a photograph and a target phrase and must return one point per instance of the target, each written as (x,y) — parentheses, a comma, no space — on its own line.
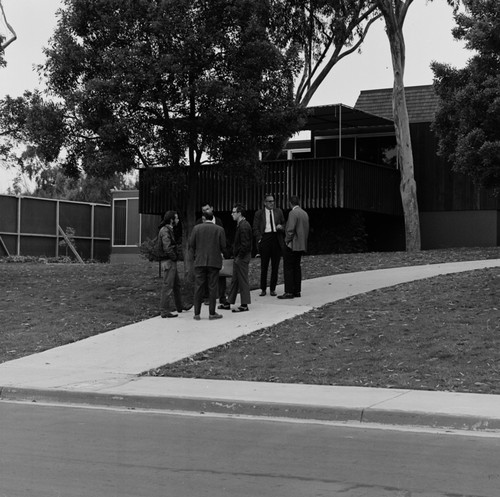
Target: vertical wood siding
(320,183)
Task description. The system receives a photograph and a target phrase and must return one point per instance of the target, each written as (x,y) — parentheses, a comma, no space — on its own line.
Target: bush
(36,259)
(149,249)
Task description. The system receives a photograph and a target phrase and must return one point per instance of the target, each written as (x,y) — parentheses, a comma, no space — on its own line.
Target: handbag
(227,268)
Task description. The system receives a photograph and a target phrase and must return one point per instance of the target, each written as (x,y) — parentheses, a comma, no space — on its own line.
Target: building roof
(421,102)
(332,117)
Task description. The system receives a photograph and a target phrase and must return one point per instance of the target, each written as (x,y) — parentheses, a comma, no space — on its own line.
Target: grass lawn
(437,334)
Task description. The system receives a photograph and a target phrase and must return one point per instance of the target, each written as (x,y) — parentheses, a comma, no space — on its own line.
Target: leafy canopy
(32,131)
(170,83)
(468,120)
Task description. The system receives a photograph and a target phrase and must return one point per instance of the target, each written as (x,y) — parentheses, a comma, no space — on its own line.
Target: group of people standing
(275,239)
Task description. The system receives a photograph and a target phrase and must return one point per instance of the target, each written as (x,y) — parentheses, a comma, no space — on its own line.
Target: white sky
(427,34)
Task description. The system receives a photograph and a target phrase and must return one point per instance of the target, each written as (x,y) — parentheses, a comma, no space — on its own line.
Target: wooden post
(70,245)
(4,247)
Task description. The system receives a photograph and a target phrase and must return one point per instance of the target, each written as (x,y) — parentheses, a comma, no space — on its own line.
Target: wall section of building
(449,229)
(130,228)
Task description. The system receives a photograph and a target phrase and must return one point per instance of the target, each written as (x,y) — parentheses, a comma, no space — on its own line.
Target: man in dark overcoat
(207,243)
(242,249)
(207,209)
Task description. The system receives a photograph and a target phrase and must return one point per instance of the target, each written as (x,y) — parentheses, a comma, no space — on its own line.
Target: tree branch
(141,156)
(309,83)
(6,43)
(334,59)
(404,6)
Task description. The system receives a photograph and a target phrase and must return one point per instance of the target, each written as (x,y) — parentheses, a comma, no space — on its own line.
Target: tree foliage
(32,132)
(51,182)
(468,119)
(169,83)
(324,32)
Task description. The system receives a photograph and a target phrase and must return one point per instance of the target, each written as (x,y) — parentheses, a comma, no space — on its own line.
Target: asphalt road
(69,452)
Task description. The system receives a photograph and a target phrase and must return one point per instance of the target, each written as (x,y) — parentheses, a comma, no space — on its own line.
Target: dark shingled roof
(421,101)
(329,117)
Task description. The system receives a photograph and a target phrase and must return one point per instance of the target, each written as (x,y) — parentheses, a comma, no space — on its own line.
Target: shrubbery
(35,259)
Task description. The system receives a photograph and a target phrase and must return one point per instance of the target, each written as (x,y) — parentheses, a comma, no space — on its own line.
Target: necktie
(271,220)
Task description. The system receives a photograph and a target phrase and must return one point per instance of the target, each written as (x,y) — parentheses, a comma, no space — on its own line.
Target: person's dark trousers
(222,287)
(239,281)
(292,271)
(204,275)
(222,290)
(171,286)
(270,251)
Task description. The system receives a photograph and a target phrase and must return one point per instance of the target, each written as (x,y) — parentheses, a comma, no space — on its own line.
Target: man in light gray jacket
(296,234)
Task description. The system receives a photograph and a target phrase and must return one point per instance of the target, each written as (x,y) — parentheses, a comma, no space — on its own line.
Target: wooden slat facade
(321,183)
(439,188)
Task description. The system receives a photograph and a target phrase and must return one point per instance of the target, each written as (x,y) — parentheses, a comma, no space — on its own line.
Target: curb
(431,420)
(178,403)
(276,410)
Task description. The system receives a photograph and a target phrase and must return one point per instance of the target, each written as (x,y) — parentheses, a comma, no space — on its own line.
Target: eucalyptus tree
(394,13)
(327,31)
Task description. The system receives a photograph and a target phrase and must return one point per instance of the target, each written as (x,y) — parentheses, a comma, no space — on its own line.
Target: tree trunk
(408,186)
(189,219)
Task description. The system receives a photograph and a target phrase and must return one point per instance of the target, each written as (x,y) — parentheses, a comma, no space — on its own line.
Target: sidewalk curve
(103,369)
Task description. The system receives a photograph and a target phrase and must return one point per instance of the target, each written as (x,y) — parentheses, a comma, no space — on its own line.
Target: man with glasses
(268,231)
(242,250)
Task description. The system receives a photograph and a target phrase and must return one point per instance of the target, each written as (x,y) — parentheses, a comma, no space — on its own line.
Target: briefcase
(227,268)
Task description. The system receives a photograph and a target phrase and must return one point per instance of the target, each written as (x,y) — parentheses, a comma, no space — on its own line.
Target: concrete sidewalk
(103,370)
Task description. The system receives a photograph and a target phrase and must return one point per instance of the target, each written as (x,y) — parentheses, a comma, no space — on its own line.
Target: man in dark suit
(296,234)
(268,227)
(206,245)
(207,209)
(242,249)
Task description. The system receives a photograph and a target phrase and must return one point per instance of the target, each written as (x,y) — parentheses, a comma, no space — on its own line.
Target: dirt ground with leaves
(435,334)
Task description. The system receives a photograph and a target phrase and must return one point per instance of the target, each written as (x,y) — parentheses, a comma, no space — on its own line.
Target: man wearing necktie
(268,229)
